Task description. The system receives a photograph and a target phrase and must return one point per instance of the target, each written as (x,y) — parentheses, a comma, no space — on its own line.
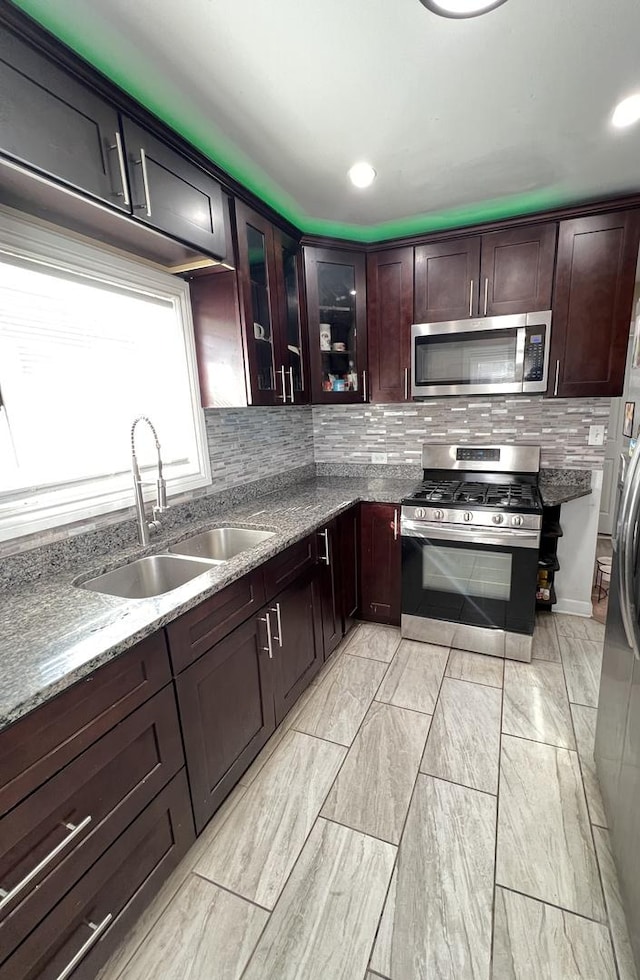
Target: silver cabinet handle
(269,647)
(395,525)
(117,146)
(276,610)
(326,558)
(96,932)
(364,386)
(74,831)
(406,384)
(284,385)
(486,294)
(471,298)
(555,387)
(291,391)
(142,163)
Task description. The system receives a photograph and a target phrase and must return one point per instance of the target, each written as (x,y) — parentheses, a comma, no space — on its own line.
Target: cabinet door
(172,194)
(328,583)
(291,343)
(380,561)
(447,280)
(54,123)
(259,299)
(296,628)
(336,309)
(389,319)
(226,710)
(517,270)
(348,565)
(592,306)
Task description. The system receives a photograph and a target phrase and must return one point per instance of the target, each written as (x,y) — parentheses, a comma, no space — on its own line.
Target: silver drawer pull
(74,831)
(293,397)
(276,610)
(96,932)
(326,558)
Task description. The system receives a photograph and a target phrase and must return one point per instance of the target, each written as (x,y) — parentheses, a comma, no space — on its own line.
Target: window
(89,340)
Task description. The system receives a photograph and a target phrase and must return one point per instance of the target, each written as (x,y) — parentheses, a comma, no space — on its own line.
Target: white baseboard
(573,607)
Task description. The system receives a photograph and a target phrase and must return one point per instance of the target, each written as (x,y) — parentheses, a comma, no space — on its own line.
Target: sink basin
(147,577)
(220,543)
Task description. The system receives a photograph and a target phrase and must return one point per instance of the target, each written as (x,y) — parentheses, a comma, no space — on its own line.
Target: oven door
(469,576)
(467,357)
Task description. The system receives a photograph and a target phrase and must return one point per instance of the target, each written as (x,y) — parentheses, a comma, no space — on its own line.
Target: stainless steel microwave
(482,356)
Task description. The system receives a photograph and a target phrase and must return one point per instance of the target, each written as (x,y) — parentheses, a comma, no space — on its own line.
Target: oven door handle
(494,535)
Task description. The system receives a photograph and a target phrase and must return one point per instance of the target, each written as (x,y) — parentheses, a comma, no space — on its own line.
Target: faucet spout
(145,527)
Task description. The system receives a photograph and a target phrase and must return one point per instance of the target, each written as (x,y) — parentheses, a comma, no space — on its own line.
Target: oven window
(484,574)
(483,357)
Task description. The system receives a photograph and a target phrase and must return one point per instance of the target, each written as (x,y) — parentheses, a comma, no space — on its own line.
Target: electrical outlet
(378,457)
(596,435)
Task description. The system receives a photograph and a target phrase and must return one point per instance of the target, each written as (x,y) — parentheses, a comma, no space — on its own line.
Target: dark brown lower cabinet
(348,564)
(89,921)
(296,624)
(380,563)
(226,705)
(329,585)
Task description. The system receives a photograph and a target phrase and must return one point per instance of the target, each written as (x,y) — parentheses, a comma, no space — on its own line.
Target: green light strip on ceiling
(45,13)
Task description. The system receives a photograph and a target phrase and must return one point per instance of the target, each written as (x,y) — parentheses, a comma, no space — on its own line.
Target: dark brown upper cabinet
(389,319)
(269,287)
(485,275)
(54,124)
(172,194)
(447,278)
(516,270)
(592,305)
(336,283)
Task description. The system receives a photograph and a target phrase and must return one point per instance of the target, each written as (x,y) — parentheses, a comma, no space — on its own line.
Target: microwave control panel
(534,353)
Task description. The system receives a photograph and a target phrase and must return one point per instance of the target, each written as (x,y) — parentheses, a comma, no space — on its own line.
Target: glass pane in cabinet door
(262,328)
(337,294)
(293,329)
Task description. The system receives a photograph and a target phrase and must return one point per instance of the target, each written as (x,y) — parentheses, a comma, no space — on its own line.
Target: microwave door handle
(519,365)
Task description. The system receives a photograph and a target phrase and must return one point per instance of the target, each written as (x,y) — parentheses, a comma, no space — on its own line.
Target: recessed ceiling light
(627,112)
(362,174)
(461,8)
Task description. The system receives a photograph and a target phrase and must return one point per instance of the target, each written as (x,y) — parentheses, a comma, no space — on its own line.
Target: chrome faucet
(147,528)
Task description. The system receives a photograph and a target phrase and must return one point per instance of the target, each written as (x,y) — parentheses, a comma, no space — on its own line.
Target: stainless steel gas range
(470,541)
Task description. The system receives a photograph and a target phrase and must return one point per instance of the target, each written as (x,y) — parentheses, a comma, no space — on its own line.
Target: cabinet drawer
(111,895)
(87,805)
(39,745)
(201,628)
(282,570)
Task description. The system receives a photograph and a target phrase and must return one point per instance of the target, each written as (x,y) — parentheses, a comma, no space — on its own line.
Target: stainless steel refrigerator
(617,748)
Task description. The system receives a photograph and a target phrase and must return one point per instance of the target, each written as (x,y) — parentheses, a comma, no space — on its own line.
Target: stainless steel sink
(147,577)
(220,543)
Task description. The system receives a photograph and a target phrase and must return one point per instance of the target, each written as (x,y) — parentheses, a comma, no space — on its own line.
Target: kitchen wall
(356,433)
(253,443)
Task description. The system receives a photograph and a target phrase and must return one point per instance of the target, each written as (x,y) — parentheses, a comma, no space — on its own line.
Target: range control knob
(438,515)
(467,516)
(517,521)
(420,512)
(497,518)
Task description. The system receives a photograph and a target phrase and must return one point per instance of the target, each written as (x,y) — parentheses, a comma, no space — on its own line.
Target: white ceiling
(462,119)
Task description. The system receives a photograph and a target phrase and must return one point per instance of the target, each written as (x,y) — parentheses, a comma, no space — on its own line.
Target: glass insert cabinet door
(290,360)
(336,304)
(258,291)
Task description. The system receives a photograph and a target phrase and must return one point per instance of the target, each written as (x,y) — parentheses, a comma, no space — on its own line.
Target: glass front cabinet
(269,278)
(337,311)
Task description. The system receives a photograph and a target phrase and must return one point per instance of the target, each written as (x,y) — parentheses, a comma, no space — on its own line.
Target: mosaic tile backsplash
(251,443)
(359,433)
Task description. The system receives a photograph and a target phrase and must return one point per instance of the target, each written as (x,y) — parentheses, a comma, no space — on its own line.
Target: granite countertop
(54,633)
(560,486)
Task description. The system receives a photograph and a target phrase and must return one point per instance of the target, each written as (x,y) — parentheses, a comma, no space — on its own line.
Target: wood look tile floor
(421,814)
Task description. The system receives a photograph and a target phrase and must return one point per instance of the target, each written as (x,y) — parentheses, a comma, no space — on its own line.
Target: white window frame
(36,509)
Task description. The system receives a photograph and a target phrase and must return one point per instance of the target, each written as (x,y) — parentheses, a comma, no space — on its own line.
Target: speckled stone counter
(53,633)
(560,486)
